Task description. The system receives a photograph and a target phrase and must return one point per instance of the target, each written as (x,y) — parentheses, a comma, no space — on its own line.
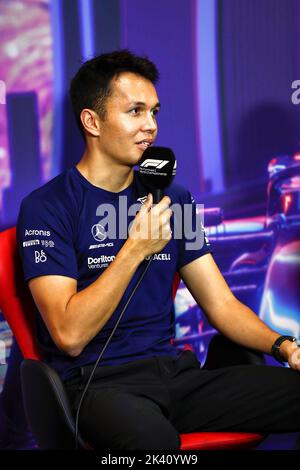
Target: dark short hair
(90,87)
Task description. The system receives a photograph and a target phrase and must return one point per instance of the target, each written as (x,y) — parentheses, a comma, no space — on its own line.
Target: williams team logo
(99,232)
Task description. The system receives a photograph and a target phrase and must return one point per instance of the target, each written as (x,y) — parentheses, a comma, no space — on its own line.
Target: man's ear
(90,121)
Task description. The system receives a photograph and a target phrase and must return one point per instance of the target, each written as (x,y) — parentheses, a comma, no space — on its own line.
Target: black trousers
(147,404)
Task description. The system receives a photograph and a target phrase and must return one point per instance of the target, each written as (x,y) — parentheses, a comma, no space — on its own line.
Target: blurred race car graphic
(259,258)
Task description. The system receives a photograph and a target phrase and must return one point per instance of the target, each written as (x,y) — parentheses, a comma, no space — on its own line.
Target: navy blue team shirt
(60,232)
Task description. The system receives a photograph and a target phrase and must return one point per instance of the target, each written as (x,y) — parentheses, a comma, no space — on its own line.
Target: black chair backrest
(47,407)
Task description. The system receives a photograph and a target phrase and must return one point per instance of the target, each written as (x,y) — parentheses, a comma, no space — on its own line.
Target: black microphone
(157,170)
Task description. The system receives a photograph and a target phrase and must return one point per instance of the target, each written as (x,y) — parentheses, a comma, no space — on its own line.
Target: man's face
(130,119)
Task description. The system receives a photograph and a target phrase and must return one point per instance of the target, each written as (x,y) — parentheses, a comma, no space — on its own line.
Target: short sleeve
(45,234)
(194,242)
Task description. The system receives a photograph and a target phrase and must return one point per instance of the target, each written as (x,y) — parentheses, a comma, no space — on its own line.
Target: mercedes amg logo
(98,232)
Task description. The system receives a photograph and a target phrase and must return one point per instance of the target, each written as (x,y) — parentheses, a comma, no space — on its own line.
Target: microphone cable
(104,348)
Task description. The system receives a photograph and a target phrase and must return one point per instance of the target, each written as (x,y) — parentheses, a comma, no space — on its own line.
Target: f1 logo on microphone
(154,163)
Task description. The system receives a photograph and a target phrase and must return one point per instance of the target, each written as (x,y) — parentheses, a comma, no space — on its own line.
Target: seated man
(144,392)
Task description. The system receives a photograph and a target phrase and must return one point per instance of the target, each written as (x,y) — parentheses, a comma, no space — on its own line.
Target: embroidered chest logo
(99,232)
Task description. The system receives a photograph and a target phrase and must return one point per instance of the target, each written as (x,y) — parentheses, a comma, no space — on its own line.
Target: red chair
(46,404)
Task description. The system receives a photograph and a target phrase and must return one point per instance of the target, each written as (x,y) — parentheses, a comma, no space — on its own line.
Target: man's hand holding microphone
(150,230)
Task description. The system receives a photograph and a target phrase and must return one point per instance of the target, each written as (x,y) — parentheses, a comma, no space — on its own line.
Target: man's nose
(150,123)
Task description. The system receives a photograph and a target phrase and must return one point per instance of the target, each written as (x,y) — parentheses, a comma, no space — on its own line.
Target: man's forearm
(240,324)
(88,310)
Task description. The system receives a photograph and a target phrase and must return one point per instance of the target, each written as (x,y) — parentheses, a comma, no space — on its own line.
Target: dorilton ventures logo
(99,263)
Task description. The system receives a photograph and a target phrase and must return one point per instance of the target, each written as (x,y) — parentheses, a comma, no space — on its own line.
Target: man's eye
(135,111)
